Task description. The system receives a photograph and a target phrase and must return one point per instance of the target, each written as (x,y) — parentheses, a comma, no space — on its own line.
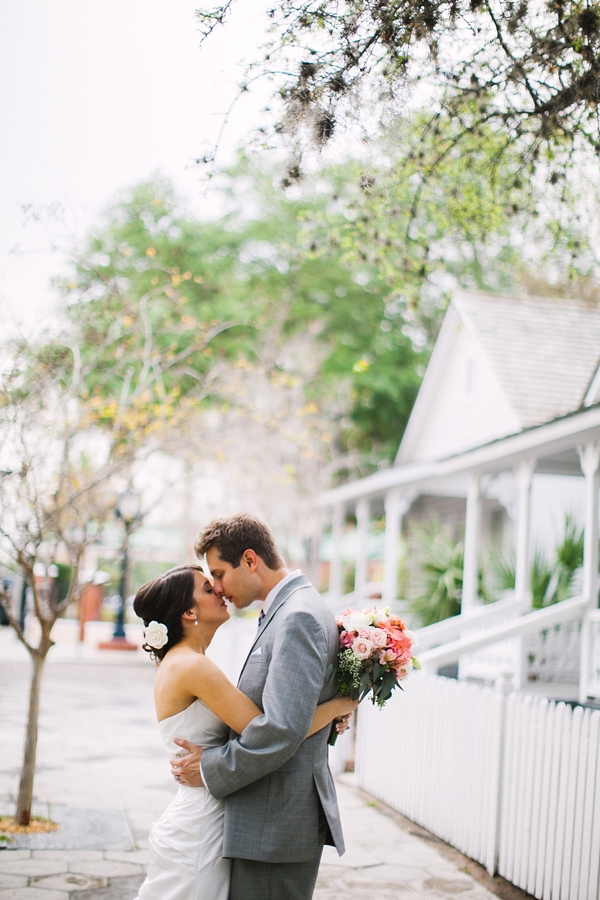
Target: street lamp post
(128,510)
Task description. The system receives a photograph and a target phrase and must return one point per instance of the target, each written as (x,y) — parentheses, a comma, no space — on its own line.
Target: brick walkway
(99,749)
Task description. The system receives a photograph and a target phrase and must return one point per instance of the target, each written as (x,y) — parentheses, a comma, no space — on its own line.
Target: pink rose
(346,638)
(362,648)
(365,633)
(379,637)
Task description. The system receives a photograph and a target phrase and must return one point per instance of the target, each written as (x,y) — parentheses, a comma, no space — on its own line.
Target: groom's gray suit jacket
(272,777)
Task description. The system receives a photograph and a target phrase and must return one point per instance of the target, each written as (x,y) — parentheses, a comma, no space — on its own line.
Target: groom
(280,801)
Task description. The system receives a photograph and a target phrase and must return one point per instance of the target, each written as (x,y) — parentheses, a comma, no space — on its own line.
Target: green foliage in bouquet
(356,677)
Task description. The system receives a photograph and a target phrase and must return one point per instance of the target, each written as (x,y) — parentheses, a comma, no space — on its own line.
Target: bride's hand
(186,768)
(343,723)
(347,707)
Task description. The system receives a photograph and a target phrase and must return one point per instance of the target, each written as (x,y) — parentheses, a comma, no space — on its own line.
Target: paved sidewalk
(70,874)
(99,749)
(381,859)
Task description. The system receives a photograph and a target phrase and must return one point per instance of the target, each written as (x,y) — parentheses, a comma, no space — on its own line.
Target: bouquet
(376,654)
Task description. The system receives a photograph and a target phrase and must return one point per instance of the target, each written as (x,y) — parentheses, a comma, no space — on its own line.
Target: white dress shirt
(268,601)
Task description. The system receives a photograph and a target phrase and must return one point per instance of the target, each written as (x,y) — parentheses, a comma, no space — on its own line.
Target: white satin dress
(187,841)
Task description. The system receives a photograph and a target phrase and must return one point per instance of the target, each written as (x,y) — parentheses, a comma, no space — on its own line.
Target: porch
(558,646)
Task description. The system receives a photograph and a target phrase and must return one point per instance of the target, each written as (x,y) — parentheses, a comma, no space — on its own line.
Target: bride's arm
(332,709)
(208,683)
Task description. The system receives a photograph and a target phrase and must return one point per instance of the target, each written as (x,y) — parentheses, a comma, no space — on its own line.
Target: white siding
(467,406)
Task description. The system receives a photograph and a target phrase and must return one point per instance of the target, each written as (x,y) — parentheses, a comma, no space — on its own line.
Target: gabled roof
(545,351)
(535,359)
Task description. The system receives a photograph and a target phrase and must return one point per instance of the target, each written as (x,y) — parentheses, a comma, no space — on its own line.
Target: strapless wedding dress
(187,841)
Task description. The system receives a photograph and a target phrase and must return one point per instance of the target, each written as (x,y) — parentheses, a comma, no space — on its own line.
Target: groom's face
(237,583)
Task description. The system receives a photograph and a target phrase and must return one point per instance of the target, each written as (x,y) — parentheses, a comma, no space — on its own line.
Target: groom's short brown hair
(236,534)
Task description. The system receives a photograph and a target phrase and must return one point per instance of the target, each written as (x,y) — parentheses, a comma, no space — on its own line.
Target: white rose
(156,635)
(354,621)
(414,642)
(379,617)
(362,648)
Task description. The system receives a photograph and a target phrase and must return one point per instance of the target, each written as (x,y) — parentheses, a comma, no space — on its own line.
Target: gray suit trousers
(252,879)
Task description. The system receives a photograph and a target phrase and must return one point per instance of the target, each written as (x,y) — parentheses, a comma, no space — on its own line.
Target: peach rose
(362,648)
(379,637)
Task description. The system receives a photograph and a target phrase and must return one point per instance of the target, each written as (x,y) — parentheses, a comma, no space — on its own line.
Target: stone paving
(99,749)
(69,874)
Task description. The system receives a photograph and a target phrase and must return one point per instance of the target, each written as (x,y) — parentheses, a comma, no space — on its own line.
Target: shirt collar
(268,602)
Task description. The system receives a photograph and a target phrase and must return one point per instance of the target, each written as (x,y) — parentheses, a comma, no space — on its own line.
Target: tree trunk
(23,813)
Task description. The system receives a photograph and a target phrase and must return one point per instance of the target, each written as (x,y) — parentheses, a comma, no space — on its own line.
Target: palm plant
(438,591)
(550,580)
(440,576)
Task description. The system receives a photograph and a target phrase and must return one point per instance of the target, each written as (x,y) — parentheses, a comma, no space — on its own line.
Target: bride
(195,701)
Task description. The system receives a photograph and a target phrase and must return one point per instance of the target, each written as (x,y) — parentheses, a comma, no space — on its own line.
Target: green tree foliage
(154,302)
(428,220)
(173,299)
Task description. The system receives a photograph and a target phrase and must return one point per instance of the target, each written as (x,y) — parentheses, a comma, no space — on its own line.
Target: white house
(502,442)
(502,365)
(506,426)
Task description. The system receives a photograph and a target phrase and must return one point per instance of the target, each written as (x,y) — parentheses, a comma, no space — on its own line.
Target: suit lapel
(291,587)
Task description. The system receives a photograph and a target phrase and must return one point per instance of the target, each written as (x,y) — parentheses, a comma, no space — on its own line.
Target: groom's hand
(186,769)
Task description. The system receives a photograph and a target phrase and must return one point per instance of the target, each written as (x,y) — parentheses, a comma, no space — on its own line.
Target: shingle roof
(545,352)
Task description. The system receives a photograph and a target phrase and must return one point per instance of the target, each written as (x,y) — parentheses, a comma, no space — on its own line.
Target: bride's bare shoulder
(187,663)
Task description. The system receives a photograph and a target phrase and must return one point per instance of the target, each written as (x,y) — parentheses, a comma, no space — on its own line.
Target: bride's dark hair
(165,599)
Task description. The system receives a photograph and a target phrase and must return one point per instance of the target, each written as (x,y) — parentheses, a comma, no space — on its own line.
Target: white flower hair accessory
(156,635)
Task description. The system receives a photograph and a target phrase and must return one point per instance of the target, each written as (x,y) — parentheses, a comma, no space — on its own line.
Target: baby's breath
(349,672)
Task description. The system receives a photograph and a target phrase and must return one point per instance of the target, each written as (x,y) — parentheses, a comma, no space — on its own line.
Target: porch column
(589,457)
(361,572)
(397,505)
(336,572)
(471,555)
(524,476)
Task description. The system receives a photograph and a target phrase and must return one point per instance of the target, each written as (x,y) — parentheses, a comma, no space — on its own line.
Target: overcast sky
(97,96)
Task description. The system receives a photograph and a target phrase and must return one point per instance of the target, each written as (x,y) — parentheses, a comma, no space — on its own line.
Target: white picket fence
(511,781)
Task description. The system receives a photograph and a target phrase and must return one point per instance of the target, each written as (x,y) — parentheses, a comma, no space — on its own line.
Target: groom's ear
(249,560)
